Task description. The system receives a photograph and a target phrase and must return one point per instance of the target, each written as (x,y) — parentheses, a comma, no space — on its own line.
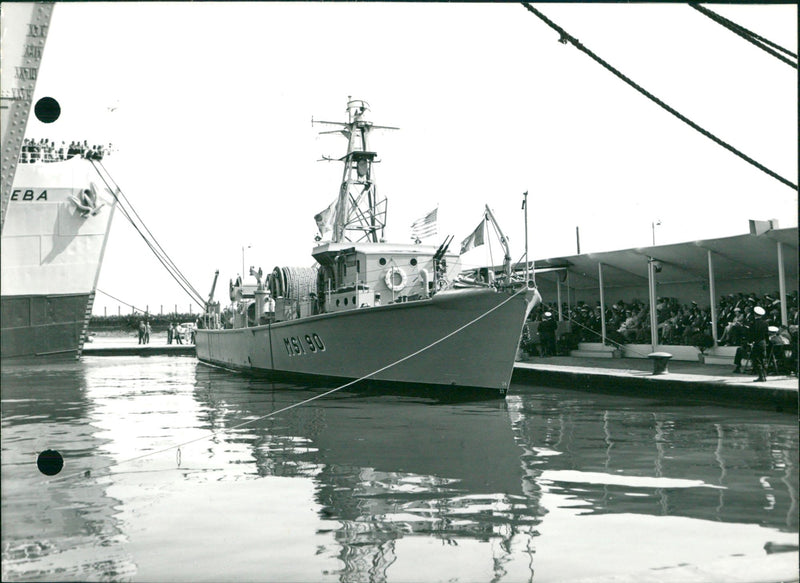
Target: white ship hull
(51,258)
(458,338)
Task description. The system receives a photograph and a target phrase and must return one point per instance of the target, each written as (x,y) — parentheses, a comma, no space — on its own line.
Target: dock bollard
(660,360)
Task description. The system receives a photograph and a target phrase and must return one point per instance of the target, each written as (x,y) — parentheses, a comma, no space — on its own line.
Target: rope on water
(86,473)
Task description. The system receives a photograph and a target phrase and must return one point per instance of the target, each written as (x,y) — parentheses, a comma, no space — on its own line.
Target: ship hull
(51,258)
(46,325)
(458,338)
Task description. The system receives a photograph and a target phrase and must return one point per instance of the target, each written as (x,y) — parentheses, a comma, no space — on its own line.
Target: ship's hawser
(54,233)
(370,309)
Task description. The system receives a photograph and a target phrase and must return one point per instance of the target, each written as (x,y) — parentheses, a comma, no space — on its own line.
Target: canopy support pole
(651,284)
(712,293)
(782,285)
(602,303)
(558,296)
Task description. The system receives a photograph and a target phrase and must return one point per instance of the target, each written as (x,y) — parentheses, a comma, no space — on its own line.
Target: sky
(209,108)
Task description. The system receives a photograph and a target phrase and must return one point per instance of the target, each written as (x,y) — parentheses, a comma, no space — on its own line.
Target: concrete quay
(128,345)
(683,381)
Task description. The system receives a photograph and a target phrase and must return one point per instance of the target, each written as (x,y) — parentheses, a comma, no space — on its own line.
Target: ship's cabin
(360,275)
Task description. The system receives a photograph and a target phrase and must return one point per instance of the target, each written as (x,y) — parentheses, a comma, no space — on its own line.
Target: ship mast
(360,213)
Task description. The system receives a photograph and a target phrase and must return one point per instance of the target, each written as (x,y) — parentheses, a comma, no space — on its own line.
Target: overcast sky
(209,106)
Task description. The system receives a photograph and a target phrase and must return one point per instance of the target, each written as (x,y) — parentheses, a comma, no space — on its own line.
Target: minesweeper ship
(368,309)
(55,214)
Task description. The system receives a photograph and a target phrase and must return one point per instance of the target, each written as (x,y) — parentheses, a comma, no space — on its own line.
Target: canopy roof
(739,257)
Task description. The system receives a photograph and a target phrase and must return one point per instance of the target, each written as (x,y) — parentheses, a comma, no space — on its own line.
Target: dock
(129,346)
(683,381)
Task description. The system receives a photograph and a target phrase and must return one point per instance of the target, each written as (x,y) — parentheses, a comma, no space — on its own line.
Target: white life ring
(389,279)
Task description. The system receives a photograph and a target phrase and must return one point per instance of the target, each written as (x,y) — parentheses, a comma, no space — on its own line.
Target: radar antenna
(360,212)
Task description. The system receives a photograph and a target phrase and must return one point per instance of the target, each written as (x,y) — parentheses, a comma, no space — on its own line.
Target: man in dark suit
(547,332)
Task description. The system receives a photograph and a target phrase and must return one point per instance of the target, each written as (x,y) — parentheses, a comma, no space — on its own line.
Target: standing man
(141,331)
(170,332)
(269,308)
(760,340)
(547,331)
(147,330)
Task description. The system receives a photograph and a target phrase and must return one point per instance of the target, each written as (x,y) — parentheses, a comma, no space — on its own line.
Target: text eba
(28,195)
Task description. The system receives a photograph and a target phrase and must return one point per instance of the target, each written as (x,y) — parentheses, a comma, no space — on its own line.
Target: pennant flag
(324,220)
(426,226)
(475,239)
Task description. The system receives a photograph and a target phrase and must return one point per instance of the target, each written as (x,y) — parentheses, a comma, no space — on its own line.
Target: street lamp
(243,248)
(653,226)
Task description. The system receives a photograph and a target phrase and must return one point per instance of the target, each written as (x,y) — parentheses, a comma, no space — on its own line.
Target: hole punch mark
(50,462)
(47,110)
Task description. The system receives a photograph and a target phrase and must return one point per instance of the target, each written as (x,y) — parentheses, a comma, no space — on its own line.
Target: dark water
(544,485)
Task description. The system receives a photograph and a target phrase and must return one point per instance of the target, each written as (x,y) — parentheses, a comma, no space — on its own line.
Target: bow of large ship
(54,235)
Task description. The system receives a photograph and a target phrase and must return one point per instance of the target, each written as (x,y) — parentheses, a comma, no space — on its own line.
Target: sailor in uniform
(760,337)
(269,309)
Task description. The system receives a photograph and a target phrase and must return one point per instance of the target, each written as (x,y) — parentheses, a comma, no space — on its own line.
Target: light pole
(243,248)
(653,226)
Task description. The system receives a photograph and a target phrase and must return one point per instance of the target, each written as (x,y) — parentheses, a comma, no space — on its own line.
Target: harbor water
(175,471)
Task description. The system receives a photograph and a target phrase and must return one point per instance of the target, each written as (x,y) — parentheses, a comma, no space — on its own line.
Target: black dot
(47,110)
(50,462)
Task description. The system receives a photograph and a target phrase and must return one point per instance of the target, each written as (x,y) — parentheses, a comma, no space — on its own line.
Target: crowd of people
(44,150)
(679,323)
(176,333)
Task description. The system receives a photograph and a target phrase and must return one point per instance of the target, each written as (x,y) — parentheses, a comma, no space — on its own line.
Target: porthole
(382,261)
(345,301)
(413,261)
(354,300)
(337,302)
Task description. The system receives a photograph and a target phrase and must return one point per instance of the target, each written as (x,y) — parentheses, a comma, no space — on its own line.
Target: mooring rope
(87,473)
(126,208)
(764,44)
(122,301)
(566,37)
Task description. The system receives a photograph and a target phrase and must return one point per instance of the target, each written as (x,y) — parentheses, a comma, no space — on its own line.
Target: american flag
(426,226)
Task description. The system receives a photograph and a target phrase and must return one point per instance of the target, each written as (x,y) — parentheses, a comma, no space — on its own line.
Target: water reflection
(391,468)
(369,485)
(729,464)
(48,530)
